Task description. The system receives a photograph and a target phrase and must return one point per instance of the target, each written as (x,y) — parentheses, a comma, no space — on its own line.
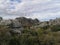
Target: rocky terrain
(27,31)
(20,23)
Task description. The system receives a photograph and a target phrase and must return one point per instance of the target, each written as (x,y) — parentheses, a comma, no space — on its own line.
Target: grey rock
(16,24)
(5,22)
(16,31)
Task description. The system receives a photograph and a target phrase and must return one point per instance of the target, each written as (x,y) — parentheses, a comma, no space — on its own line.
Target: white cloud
(42,9)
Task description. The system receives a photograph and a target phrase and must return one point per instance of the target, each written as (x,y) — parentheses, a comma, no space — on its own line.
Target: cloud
(41,9)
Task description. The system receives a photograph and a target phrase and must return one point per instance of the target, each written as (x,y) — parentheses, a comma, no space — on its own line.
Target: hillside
(27,31)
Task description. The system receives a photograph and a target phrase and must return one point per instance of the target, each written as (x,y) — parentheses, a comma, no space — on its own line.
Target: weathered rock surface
(18,24)
(49,23)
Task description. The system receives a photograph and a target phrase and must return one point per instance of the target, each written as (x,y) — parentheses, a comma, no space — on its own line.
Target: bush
(55,28)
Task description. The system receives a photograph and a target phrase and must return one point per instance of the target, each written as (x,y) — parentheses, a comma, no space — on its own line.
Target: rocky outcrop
(27,21)
(55,21)
(22,22)
(18,24)
(14,25)
(50,22)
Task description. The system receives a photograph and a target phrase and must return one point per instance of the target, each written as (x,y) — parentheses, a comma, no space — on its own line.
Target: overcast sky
(41,9)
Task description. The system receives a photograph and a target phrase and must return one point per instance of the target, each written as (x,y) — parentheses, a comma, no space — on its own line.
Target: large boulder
(15,24)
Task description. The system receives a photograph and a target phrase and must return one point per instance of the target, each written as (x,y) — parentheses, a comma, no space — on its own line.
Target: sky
(41,9)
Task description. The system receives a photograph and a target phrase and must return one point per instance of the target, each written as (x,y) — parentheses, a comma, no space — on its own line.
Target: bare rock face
(18,24)
(27,21)
(43,24)
(55,22)
(11,23)
(14,25)
(50,22)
